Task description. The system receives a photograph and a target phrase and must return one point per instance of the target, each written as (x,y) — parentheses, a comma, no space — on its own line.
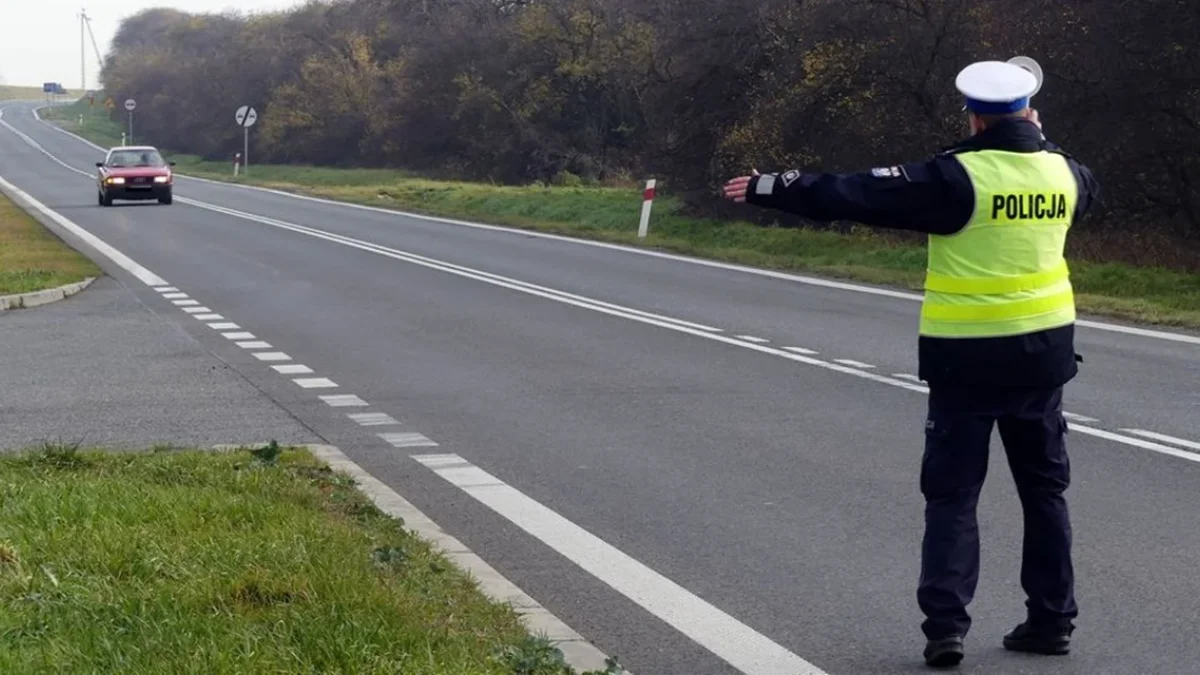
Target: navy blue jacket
(936,197)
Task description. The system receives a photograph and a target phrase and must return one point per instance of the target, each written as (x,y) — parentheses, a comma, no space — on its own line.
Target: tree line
(688,91)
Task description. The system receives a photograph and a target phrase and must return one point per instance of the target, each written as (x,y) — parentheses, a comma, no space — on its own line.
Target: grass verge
(1152,295)
(11,93)
(33,259)
(256,561)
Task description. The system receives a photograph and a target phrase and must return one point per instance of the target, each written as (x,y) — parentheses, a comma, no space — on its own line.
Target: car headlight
(116,181)
(161,179)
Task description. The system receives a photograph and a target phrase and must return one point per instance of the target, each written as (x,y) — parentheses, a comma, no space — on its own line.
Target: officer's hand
(736,188)
(1033,117)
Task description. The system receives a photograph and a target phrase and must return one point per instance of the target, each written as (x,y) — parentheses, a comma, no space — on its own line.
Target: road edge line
(577,650)
(62,226)
(855,287)
(43,297)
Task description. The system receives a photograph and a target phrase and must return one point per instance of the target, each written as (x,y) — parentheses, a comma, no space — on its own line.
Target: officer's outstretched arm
(935,197)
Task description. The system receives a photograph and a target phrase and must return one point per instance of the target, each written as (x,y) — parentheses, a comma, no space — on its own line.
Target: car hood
(135,171)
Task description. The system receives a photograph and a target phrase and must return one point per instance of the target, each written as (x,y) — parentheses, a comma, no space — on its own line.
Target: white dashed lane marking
(242,335)
(315,382)
(372,419)
(254,344)
(343,400)
(224,326)
(196,310)
(272,356)
(407,440)
(166,289)
(292,369)
(173,296)
(185,303)
(208,317)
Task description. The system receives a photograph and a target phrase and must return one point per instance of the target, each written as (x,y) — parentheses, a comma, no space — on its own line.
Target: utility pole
(82,51)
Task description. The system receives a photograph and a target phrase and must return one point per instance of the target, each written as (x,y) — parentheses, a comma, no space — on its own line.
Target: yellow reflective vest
(1004,273)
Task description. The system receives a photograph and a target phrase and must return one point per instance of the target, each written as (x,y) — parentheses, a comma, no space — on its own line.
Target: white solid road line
(577,651)
(854,364)
(1074,417)
(734,642)
(123,261)
(606,308)
(785,276)
(802,350)
(672,601)
(550,294)
(633,315)
(1181,442)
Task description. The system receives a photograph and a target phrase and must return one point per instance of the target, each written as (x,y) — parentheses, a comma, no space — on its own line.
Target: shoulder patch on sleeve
(790,177)
(887,172)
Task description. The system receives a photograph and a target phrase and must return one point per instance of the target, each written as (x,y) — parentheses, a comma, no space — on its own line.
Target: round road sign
(246,116)
(130,104)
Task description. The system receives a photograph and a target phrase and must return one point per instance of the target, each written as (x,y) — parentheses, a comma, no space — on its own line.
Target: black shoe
(1050,640)
(944,653)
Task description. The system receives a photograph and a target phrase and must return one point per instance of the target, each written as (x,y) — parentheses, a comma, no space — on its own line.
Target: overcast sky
(39,39)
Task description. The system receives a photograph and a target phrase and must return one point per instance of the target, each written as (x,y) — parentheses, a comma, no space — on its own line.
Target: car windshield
(127,158)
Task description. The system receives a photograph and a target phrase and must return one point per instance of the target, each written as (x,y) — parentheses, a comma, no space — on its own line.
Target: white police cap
(996,87)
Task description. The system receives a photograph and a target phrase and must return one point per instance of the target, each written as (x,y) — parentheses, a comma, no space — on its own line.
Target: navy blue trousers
(957,435)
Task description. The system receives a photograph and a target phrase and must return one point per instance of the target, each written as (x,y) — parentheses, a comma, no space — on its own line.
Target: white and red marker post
(648,201)
(237,162)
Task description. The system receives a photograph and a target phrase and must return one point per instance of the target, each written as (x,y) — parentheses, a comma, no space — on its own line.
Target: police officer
(996,340)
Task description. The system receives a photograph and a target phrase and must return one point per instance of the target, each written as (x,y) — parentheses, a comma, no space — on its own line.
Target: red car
(134,173)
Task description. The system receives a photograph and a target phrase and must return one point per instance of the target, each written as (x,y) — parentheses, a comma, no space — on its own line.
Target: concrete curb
(49,295)
(577,651)
(43,297)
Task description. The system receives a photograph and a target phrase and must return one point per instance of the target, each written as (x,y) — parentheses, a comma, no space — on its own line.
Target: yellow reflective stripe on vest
(1008,310)
(943,283)
(1004,273)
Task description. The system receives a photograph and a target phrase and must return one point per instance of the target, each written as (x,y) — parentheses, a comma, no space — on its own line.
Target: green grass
(1152,295)
(96,127)
(256,561)
(33,259)
(11,93)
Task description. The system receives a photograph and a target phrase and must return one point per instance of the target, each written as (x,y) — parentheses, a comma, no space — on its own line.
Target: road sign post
(246,116)
(130,104)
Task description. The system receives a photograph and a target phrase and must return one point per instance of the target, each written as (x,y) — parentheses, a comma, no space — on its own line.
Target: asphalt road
(102,368)
(779,486)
